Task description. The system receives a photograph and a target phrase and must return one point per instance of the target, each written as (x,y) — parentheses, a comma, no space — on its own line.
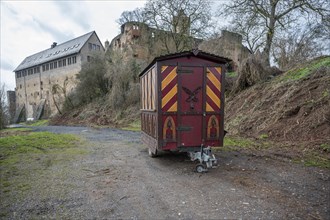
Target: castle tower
(181,23)
(106,44)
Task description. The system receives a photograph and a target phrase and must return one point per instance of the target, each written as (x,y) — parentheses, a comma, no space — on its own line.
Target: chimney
(53,45)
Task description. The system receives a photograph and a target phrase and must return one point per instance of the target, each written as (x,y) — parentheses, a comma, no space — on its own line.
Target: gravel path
(117,179)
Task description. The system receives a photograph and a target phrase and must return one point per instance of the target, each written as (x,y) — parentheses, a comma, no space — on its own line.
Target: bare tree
(137,15)
(60,94)
(253,35)
(272,15)
(3,108)
(297,46)
(180,21)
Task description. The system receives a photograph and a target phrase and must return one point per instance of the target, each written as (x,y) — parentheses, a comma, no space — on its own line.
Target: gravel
(116,179)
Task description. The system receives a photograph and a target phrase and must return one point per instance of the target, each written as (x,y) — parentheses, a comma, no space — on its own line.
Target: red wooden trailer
(182,105)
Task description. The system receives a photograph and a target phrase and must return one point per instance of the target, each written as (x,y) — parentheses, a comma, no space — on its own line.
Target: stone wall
(31,89)
(228,45)
(50,86)
(142,42)
(11,98)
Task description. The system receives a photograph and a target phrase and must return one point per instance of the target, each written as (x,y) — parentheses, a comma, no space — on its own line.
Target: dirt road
(117,179)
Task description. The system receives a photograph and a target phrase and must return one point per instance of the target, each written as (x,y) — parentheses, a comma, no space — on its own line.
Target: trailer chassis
(205,157)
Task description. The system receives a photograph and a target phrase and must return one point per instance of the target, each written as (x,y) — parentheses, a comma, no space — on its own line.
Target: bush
(93,82)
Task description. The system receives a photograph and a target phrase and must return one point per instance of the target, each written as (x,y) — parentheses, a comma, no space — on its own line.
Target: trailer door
(190,107)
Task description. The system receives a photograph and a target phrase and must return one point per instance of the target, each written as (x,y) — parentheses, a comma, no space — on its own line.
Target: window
(35,70)
(90,46)
(47,66)
(43,68)
(64,62)
(74,59)
(24,72)
(51,66)
(60,63)
(55,64)
(98,47)
(69,61)
(20,86)
(88,58)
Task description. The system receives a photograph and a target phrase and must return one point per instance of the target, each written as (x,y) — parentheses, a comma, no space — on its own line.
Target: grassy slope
(288,115)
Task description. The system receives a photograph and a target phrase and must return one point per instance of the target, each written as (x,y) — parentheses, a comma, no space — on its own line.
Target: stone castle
(140,41)
(43,79)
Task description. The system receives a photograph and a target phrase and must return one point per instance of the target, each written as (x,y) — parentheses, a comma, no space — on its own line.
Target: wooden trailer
(182,102)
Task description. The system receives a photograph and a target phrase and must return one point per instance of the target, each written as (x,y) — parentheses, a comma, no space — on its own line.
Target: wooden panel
(142,93)
(145,92)
(153,90)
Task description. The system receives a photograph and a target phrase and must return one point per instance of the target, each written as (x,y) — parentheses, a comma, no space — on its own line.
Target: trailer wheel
(152,154)
(200,168)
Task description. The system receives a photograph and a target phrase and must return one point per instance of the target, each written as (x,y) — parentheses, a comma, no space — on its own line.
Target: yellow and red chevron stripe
(213,89)
(169,87)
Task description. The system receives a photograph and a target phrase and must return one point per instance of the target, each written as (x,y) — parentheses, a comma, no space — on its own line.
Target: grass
(238,143)
(316,160)
(33,143)
(301,72)
(14,130)
(38,123)
(312,158)
(263,136)
(26,154)
(325,147)
(134,126)
(231,74)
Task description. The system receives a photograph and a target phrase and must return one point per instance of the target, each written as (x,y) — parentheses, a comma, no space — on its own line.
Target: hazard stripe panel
(213,89)
(169,88)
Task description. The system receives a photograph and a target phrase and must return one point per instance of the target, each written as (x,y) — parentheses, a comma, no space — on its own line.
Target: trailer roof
(194,52)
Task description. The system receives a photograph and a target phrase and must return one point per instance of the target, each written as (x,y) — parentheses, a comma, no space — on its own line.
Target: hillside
(292,110)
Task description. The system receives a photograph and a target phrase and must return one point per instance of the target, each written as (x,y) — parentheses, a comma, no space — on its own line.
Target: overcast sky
(28,27)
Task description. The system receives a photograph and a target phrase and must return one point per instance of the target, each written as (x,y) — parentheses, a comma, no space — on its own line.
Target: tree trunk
(270,35)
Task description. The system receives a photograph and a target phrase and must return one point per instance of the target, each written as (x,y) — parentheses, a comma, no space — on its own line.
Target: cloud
(74,12)
(28,27)
(5,65)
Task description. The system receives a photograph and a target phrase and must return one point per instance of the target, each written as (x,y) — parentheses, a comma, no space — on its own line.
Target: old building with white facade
(42,79)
